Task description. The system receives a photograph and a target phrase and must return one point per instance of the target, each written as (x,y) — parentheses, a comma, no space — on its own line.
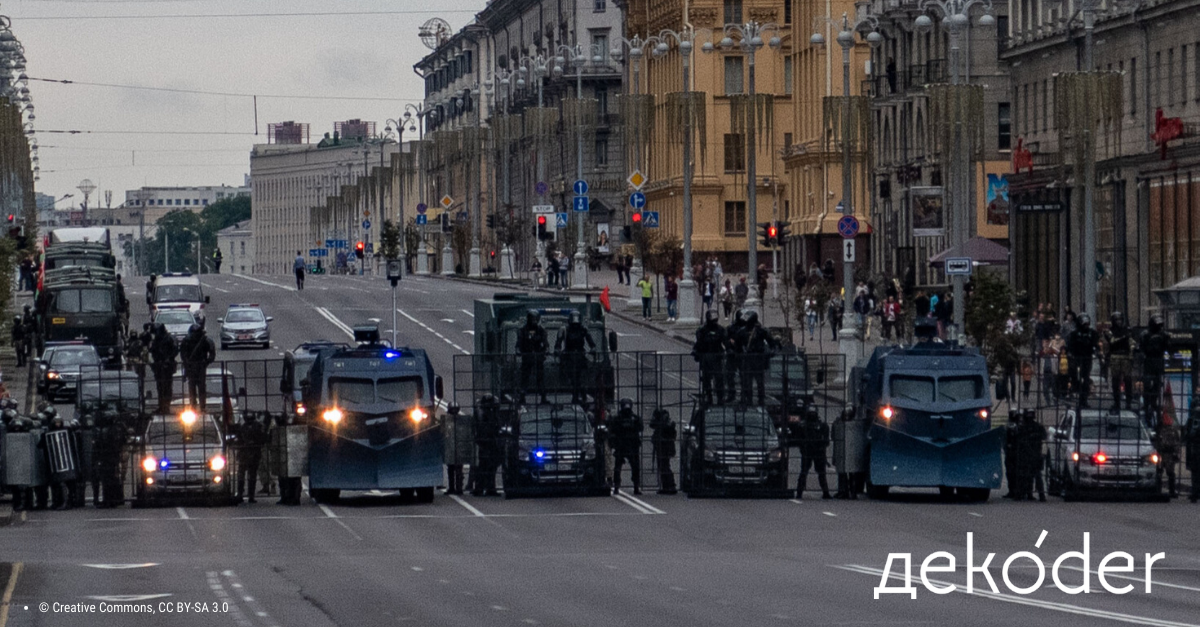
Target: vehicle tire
(266,345)
(877,492)
(425,495)
(975,495)
(325,496)
(946,492)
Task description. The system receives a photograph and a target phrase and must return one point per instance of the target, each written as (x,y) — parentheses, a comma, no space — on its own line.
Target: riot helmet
(16,321)
(626,404)
(751,317)
(195,329)
(532,317)
(739,316)
(146,327)
(1117,319)
(1084,320)
(488,400)
(575,317)
(711,316)
(1156,323)
(160,328)
(26,309)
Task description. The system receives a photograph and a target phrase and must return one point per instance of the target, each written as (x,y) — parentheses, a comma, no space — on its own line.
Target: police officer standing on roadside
(532,344)
(1031,436)
(757,347)
(137,356)
(1119,342)
(625,431)
(197,351)
(573,342)
(662,437)
(1082,345)
(709,349)
(163,350)
(1154,364)
(252,437)
(1011,445)
(813,446)
(458,444)
(20,340)
(487,443)
(110,438)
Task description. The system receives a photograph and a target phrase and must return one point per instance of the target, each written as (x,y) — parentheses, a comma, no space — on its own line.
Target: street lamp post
(423,197)
(957,22)
(401,123)
(750,40)
(637,49)
(577,58)
(503,80)
(471,96)
(537,68)
(848,336)
(685,40)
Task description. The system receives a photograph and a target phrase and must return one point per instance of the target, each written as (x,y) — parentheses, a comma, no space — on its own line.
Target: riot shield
(62,456)
(25,465)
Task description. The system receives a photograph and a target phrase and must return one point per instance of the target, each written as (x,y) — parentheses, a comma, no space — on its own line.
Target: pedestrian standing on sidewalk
(707,290)
(647,294)
(672,289)
(741,293)
(726,299)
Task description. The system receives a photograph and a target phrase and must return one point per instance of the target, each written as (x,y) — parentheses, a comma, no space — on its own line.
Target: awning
(980,250)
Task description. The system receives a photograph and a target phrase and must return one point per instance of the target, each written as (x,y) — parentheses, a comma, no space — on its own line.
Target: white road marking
(1024,600)
(329,513)
(626,500)
(450,320)
(120,566)
(1156,582)
(417,568)
(976,514)
(427,328)
(129,598)
(182,514)
(469,332)
(797,501)
(467,312)
(213,287)
(830,514)
(652,509)
(345,328)
(470,508)
(282,287)
(214,584)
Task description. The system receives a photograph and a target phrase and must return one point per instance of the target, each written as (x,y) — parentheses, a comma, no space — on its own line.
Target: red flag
(604,299)
(1168,415)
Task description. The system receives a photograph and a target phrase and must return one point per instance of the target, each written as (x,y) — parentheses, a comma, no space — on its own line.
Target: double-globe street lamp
(637,50)
(576,56)
(409,121)
(845,38)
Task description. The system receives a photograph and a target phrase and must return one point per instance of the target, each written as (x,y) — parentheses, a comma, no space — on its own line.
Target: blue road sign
(580,204)
(422,219)
(637,200)
(650,219)
(560,220)
(342,243)
(541,188)
(366,224)
(421,208)
(848,227)
(318,252)
(580,187)
(329,243)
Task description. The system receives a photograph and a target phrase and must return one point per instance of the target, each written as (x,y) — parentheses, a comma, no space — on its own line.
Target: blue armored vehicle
(372,423)
(925,413)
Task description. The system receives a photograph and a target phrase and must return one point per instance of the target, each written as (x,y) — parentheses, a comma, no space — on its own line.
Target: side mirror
(223,320)
(438,387)
(208,300)
(612,341)
(270,318)
(453,409)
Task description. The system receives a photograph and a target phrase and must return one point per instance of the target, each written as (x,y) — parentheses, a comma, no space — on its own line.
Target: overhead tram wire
(223,93)
(245,15)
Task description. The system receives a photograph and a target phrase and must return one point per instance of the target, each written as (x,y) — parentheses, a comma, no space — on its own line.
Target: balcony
(936,71)
(916,77)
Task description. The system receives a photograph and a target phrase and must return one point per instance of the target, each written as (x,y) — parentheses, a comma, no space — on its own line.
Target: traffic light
(541,228)
(783,231)
(767,230)
(12,218)
(360,249)
(491,221)
(636,218)
(445,222)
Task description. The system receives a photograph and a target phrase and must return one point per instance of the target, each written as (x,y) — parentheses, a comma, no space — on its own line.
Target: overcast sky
(341,54)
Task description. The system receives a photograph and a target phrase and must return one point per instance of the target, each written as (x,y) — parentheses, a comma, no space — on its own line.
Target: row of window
(458,67)
(735,75)
(184,202)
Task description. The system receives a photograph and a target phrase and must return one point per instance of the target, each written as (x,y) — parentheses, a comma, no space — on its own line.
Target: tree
(987,311)
(179,229)
(460,241)
(389,240)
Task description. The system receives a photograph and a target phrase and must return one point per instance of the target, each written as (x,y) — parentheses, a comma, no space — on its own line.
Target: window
(601,103)
(735,217)
(600,6)
(733,11)
(787,72)
(1133,92)
(1183,80)
(1158,75)
(909,388)
(204,202)
(1004,126)
(600,46)
(787,11)
(1196,68)
(231,248)
(787,140)
(243,247)
(601,152)
(735,152)
(1046,112)
(733,75)
(1002,31)
(1170,86)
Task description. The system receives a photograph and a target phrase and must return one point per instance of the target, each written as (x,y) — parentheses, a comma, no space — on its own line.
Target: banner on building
(997,199)
(928,211)
(602,238)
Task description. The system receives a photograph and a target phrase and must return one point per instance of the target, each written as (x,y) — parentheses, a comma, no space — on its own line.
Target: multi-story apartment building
(1147,161)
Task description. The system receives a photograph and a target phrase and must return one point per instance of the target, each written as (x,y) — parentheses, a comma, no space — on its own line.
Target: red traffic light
(359,247)
(636,217)
(541,220)
(772,231)
(11,218)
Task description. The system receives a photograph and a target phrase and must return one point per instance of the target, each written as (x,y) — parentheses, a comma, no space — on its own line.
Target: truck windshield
(916,389)
(82,301)
(403,391)
(62,262)
(959,389)
(349,392)
(177,294)
(109,390)
(1113,428)
(172,432)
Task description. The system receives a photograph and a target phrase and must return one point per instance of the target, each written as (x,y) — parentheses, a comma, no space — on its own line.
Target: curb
(6,514)
(669,333)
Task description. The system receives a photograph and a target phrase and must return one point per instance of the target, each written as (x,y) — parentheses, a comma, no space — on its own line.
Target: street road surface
(651,560)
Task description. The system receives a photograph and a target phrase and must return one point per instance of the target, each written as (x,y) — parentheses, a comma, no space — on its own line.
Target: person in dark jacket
(573,343)
(662,437)
(197,351)
(757,346)
(814,444)
(252,437)
(531,346)
(709,350)
(625,433)
(163,351)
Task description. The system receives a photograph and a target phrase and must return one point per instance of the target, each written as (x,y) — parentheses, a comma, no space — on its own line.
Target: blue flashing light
(390,355)
(164,464)
(539,454)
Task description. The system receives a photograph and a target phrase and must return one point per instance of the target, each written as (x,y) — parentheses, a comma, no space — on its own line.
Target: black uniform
(813,446)
(1082,344)
(1119,340)
(1031,435)
(757,347)
(734,345)
(1192,439)
(574,341)
(532,344)
(197,351)
(20,340)
(1153,348)
(253,436)
(487,442)
(163,351)
(662,437)
(110,439)
(1011,441)
(709,349)
(625,431)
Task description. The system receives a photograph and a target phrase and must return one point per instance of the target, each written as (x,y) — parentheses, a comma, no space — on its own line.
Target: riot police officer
(757,347)
(735,342)
(63,460)
(1082,344)
(458,442)
(20,340)
(1167,441)
(1153,348)
(197,351)
(573,342)
(163,350)
(709,350)
(1119,342)
(1011,443)
(625,432)
(487,444)
(1031,436)
(662,437)
(137,355)
(253,436)
(531,346)
(813,446)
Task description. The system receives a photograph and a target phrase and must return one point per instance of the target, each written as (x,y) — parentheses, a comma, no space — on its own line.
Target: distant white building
(236,244)
(159,201)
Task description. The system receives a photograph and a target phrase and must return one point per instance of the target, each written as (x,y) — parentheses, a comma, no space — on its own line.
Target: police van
(179,290)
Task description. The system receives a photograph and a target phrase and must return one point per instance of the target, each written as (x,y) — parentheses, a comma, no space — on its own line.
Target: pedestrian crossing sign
(560,220)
